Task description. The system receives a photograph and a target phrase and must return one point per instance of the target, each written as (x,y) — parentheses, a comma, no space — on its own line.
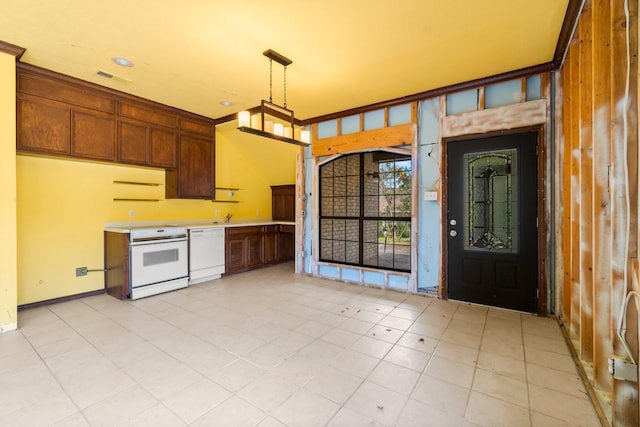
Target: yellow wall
(64,204)
(253,164)
(8,278)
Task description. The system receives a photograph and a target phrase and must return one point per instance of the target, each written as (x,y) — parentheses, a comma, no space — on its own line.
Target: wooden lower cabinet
(243,247)
(251,247)
(286,242)
(271,244)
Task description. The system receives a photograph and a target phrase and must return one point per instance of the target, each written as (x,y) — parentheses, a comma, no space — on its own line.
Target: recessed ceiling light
(226,103)
(124,62)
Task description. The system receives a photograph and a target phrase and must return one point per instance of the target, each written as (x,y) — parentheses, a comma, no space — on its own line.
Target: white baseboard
(8,327)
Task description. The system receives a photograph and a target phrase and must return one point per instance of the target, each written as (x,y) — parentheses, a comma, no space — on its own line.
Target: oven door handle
(151,240)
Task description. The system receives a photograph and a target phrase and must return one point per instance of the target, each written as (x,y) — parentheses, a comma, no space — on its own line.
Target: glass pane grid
(365,216)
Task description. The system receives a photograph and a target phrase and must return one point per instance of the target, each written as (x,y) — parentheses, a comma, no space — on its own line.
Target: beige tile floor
(269,348)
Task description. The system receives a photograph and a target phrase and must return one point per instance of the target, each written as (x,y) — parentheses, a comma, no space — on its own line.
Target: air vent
(105,74)
(112,77)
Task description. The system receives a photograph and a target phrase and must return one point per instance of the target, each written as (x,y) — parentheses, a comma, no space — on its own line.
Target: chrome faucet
(228,217)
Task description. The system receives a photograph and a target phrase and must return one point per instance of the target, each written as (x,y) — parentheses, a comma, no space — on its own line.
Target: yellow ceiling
(192,54)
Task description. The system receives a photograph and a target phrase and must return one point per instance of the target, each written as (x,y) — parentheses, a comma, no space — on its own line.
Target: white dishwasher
(206,254)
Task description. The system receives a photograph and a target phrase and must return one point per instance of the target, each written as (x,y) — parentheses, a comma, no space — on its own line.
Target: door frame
(542,226)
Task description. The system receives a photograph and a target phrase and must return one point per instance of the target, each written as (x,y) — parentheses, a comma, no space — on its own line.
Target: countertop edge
(198,224)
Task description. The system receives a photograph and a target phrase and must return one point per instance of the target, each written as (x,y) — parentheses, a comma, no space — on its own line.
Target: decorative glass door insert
(491,198)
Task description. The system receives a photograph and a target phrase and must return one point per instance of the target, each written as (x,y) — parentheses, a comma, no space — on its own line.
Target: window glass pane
(340,185)
(462,102)
(326,170)
(326,206)
(326,247)
(370,231)
(340,167)
(374,120)
(353,185)
(371,206)
(353,165)
(339,206)
(338,251)
(352,255)
(503,94)
(370,254)
(400,115)
(328,129)
(326,228)
(350,124)
(534,88)
(352,230)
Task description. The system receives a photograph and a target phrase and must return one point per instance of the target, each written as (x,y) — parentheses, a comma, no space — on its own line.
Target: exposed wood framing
(378,138)
(586,184)
(601,196)
(599,188)
(387,136)
(300,212)
(508,117)
(443,289)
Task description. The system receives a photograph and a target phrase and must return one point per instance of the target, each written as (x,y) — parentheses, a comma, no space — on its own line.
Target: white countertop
(125,227)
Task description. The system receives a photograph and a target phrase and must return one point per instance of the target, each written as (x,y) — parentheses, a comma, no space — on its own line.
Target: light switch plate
(431,195)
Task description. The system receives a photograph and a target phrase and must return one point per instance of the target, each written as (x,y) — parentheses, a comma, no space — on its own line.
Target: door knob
(453,233)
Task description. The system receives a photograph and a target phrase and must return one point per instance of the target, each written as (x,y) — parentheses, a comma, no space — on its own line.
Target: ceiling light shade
(244,118)
(272,120)
(124,62)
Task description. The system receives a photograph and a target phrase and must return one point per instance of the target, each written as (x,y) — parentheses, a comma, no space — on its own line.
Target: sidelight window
(365,210)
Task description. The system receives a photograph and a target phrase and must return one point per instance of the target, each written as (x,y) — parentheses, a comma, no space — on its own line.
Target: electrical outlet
(81,271)
(132,213)
(217,212)
(257,211)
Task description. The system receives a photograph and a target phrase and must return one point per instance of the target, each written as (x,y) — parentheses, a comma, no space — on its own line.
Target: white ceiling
(192,54)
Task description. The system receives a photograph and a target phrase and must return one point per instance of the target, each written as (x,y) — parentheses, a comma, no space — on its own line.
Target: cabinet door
(132,143)
(254,251)
(285,246)
(271,247)
(162,148)
(235,259)
(92,135)
(283,202)
(195,168)
(43,126)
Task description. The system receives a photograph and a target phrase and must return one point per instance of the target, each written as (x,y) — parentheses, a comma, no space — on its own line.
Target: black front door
(492,204)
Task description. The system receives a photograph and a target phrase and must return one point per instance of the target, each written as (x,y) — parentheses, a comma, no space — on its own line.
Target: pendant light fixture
(272,120)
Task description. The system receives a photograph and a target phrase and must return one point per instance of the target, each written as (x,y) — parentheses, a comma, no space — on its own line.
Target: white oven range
(159,260)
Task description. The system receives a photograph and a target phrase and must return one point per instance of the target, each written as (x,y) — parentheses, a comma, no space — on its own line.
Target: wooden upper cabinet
(283,206)
(133,146)
(43,126)
(49,85)
(163,148)
(92,135)
(197,127)
(139,143)
(146,113)
(194,176)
